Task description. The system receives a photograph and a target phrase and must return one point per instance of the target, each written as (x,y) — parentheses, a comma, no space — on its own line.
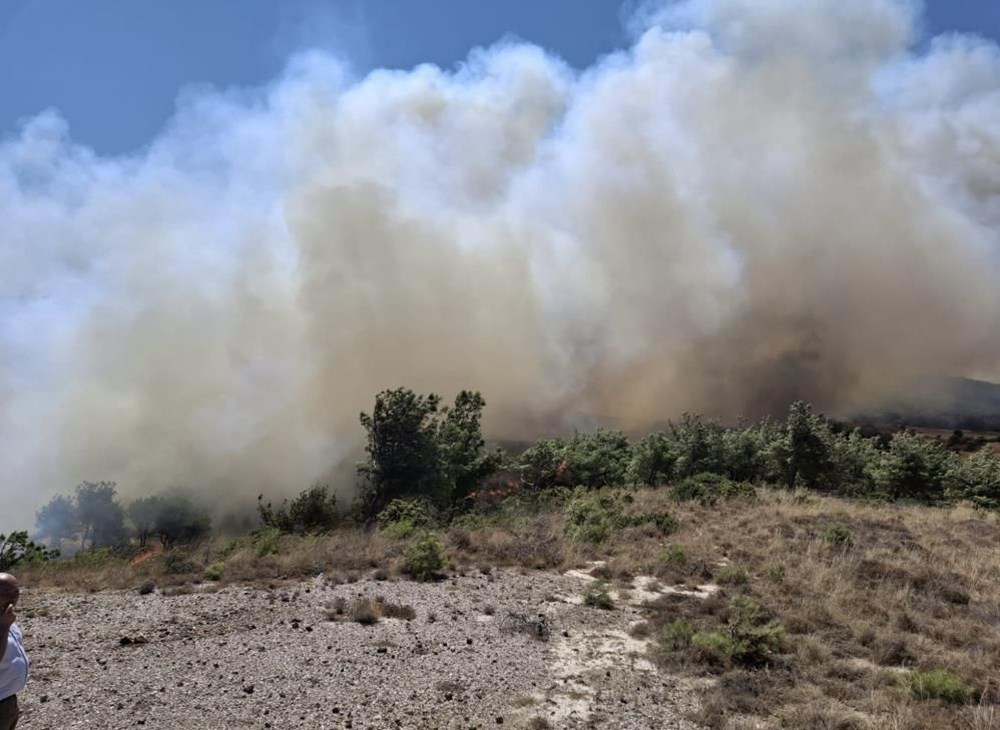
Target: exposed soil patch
(285,658)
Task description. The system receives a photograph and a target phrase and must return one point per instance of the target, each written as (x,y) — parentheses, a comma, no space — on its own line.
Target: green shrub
(598,595)
(16,549)
(402,518)
(732,575)
(938,684)
(976,479)
(677,635)
(94,557)
(653,460)
(707,489)
(839,536)
(177,563)
(914,468)
(266,541)
(399,530)
(675,555)
(776,572)
(714,647)
(424,558)
(750,638)
(215,571)
(313,511)
(664,522)
(592,517)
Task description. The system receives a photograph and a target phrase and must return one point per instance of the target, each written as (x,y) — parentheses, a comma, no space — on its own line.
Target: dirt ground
(242,657)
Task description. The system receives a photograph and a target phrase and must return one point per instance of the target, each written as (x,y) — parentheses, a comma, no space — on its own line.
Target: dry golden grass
(914,589)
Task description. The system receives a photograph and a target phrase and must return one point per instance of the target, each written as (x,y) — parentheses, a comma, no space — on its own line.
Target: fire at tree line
(427,464)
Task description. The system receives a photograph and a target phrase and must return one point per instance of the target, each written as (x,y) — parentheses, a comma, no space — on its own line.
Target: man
(13,660)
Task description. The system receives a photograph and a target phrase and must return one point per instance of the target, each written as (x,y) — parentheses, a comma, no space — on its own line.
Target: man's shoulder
(15,632)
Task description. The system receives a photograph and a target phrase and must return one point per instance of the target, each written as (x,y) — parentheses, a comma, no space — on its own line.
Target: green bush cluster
(593,516)
(403,518)
(708,488)
(313,511)
(938,684)
(750,638)
(598,595)
(16,549)
(425,558)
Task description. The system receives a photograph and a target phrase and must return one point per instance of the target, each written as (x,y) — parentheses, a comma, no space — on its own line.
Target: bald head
(9,590)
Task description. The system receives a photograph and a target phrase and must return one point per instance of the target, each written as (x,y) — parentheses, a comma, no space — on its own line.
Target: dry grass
(913,589)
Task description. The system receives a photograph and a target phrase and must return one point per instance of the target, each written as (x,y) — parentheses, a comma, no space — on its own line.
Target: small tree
(101,517)
(403,449)
(142,513)
(179,521)
(914,468)
(16,548)
(58,520)
(698,445)
(543,464)
(976,479)
(803,450)
(313,511)
(465,461)
(653,460)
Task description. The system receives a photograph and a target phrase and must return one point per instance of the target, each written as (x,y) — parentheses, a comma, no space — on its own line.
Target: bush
(698,446)
(591,460)
(839,536)
(732,575)
(147,587)
(664,522)
(397,610)
(653,460)
(675,555)
(415,511)
(599,459)
(976,479)
(597,595)
(178,520)
(714,647)
(914,468)
(313,511)
(424,558)
(677,635)
(750,638)
(592,517)
(938,684)
(400,530)
(266,541)
(94,557)
(365,611)
(707,489)
(215,571)
(16,549)
(176,563)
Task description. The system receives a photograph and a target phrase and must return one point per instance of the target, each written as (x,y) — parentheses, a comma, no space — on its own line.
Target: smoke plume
(758,201)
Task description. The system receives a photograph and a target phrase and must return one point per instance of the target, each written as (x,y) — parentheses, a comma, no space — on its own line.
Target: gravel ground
(257,658)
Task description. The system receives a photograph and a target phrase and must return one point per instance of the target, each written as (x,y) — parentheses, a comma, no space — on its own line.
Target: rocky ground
(243,657)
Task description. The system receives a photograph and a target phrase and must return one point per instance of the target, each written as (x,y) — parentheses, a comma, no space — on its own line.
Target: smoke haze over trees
(758,202)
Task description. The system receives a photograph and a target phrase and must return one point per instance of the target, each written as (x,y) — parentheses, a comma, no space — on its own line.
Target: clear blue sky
(113,68)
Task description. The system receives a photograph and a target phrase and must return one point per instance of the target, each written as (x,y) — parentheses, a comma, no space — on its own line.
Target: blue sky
(113,68)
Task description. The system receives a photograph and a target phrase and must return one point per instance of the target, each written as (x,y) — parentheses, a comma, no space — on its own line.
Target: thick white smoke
(760,200)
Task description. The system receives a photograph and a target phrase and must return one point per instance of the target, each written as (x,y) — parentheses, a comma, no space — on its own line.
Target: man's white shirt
(14,665)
